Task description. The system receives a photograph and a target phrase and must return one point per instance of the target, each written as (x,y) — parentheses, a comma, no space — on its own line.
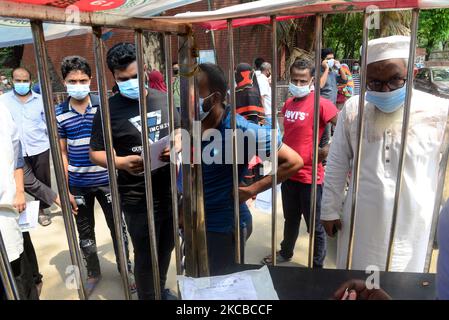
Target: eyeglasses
(392,84)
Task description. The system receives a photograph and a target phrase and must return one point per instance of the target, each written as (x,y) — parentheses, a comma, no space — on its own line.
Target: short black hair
(216,78)
(75,63)
(120,56)
(20,68)
(303,64)
(258,62)
(326,51)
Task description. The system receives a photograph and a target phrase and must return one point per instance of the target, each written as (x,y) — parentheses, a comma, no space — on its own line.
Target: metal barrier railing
(404,136)
(193,201)
(6,274)
(50,115)
(235,179)
(360,130)
(110,157)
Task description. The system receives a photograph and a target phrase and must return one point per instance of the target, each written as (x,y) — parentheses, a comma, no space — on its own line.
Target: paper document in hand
(155,150)
(245,285)
(264,200)
(28,218)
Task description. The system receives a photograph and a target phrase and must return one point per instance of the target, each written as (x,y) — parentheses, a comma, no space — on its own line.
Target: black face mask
(175,72)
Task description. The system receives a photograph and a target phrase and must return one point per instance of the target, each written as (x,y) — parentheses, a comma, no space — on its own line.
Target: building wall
(78,45)
(248,44)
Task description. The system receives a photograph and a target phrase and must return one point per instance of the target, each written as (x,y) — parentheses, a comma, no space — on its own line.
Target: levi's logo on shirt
(292,116)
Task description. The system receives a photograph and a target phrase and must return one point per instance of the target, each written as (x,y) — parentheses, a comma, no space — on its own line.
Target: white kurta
(378,171)
(9,148)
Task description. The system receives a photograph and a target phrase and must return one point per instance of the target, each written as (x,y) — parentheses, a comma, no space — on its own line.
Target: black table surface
(297,283)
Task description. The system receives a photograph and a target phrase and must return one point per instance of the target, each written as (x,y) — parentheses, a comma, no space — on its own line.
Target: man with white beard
(381,144)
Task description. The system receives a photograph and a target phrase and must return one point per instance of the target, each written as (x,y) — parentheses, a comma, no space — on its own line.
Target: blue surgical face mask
(78,91)
(129,88)
(204,114)
(22,88)
(387,102)
(299,92)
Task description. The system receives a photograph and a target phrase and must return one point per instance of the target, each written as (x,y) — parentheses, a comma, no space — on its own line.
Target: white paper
(28,218)
(245,285)
(264,200)
(155,151)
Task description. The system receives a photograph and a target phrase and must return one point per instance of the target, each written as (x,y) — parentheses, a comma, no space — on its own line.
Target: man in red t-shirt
(298,114)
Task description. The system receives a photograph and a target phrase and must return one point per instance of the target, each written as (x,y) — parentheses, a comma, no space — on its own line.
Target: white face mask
(204,114)
(299,91)
(5,81)
(331,63)
(78,91)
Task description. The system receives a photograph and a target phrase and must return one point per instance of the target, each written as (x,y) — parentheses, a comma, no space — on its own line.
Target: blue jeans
(296,203)
(221,250)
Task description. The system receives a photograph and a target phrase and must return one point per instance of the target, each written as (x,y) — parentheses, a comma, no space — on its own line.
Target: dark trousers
(30,253)
(23,277)
(40,167)
(221,250)
(85,223)
(296,203)
(137,221)
(37,188)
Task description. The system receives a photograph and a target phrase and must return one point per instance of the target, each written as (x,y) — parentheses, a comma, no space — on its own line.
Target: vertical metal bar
(405,125)
(199,216)
(274,136)
(438,199)
(201,238)
(212,34)
(316,131)
(147,161)
(173,155)
(186,69)
(235,173)
(50,116)
(110,156)
(360,130)
(6,274)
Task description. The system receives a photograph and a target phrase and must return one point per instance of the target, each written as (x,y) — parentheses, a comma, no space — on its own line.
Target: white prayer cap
(394,47)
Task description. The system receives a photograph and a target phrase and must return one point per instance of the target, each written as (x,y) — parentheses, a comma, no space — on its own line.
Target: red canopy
(236,23)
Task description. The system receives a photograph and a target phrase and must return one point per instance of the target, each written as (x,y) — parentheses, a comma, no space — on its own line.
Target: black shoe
(168,295)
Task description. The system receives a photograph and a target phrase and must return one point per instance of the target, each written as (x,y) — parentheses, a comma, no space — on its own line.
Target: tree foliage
(433,28)
(343,32)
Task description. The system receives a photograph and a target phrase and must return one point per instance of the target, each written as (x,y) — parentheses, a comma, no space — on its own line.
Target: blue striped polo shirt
(76,128)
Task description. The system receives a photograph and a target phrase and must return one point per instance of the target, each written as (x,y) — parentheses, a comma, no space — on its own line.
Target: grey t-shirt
(329,91)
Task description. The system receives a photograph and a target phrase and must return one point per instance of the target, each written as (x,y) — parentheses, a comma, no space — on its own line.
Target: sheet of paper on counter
(244,285)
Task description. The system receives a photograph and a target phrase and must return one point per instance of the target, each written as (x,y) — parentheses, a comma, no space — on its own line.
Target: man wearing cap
(381,145)
(248,100)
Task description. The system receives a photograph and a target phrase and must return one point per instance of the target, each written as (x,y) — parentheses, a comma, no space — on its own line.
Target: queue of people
(26,162)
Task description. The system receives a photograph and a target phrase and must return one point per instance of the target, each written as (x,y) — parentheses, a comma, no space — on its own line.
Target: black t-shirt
(126,136)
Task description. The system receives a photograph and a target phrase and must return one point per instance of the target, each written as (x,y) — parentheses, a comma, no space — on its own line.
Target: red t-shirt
(298,131)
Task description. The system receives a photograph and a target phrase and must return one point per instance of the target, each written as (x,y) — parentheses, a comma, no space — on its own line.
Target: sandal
(44,219)
(132,283)
(91,283)
(268,260)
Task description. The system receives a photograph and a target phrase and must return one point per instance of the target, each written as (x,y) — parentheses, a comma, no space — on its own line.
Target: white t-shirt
(9,217)
(265,92)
